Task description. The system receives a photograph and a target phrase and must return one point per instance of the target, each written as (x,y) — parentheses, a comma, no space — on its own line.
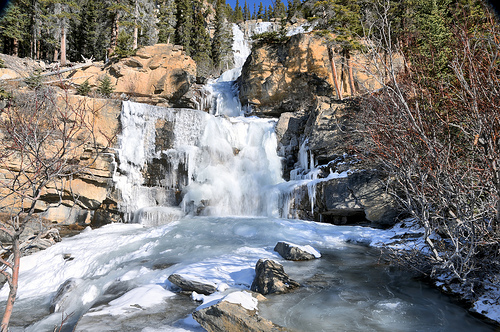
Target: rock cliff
(286,77)
(159,74)
(293,81)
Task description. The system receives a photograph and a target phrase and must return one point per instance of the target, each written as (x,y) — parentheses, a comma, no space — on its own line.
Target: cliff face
(75,200)
(287,77)
(293,81)
(159,74)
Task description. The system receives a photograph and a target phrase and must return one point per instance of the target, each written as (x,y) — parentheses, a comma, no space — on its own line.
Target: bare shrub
(45,141)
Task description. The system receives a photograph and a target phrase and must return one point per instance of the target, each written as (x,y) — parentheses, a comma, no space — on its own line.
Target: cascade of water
(221,94)
(211,165)
(151,134)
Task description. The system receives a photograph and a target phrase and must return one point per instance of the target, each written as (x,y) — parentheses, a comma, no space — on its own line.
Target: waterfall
(180,161)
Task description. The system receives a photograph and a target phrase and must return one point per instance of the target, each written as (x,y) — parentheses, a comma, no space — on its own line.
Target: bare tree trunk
(56,54)
(334,73)
(63,46)
(136,28)
(13,284)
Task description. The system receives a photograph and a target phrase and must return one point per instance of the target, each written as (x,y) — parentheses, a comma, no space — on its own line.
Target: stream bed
(121,270)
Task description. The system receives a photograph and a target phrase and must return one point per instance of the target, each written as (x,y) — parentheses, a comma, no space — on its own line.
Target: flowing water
(202,195)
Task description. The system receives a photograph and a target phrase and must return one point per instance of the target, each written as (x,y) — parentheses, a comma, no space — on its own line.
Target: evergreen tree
(166,21)
(140,20)
(254,15)
(246,12)
(201,48)
(279,9)
(222,40)
(116,9)
(269,13)
(343,18)
(86,33)
(433,34)
(62,12)
(105,87)
(238,13)
(260,11)
(184,28)
(13,27)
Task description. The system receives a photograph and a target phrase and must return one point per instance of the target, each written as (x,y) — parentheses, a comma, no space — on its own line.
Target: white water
(221,167)
(230,164)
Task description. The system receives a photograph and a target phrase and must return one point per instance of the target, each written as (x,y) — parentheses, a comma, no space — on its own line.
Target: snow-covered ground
(122,270)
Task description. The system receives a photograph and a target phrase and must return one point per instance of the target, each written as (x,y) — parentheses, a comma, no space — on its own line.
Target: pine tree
(13,27)
(85,38)
(201,48)
(254,15)
(222,40)
(184,28)
(62,12)
(238,13)
(166,21)
(433,20)
(105,87)
(246,12)
(260,11)
(343,18)
(116,9)
(269,13)
(279,9)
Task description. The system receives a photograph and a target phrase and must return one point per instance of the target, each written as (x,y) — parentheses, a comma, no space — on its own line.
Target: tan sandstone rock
(288,77)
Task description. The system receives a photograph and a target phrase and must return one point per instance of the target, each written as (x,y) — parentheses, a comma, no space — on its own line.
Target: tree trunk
(334,73)
(56,55)
(15,47)
(114,33)
(13,284)
(351,77)
(136,29)
(63,46)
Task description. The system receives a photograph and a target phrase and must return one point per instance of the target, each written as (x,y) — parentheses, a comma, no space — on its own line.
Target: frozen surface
(123,270)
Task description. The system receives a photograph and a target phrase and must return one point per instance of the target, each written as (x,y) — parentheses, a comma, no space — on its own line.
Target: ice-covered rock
(270,277)
(226,316)
(296,252)
(187,284)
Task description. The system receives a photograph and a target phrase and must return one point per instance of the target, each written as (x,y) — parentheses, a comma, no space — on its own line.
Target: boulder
(295,252)
(190,285)
(163,72)
(225,316)
(270,277)
(360,193)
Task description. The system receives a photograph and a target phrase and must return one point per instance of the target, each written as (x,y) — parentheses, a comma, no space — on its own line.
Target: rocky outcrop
(190,285)
(159,74)
(293,81)
(74,200)
(288,77)
(360,195)
(294,252)
(225,316)
(270,277)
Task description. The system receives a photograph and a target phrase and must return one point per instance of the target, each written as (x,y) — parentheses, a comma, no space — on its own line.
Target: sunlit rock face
(157,74)
(287,77)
